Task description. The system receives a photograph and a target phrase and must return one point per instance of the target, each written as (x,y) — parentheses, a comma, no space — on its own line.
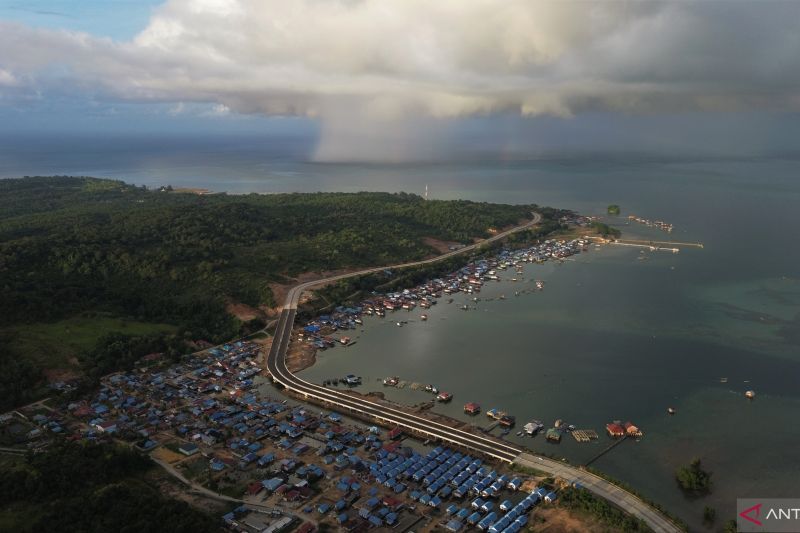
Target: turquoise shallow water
(611,336)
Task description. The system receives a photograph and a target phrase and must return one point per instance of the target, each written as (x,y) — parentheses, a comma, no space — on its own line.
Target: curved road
(276,364)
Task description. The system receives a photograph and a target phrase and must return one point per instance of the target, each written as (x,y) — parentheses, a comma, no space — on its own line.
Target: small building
(188,449)
(454,525)
(272,484)
(631,430)
(615,430)
(550,497)
(472,408)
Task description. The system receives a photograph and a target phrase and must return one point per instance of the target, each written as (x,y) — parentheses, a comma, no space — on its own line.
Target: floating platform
(585,435)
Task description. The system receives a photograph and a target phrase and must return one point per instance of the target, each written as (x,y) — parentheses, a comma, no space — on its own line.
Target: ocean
(617,334)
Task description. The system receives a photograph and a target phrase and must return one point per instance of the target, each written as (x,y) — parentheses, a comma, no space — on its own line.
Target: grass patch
(234,491)
(197,469)
(53,345)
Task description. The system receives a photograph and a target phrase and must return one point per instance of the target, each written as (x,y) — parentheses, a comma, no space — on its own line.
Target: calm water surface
(612,336)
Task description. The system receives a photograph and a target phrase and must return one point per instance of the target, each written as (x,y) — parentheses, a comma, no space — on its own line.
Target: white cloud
(391,59)
(7,79)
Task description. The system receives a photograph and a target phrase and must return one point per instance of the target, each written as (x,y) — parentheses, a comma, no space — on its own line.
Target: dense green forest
(90,487)
(86,247)
(72,244)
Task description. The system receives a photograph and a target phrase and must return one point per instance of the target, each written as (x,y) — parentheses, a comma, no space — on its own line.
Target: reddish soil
(242,311)
(441,246)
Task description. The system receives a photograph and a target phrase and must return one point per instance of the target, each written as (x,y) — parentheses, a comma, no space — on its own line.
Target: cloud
(7,79)
(385,61)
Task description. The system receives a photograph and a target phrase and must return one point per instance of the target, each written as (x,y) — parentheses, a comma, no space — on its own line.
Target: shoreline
(302,354)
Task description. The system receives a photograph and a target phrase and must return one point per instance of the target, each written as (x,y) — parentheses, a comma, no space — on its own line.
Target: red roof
(307,527)
(391,447)
(615,429)
(392,503)
(254,488)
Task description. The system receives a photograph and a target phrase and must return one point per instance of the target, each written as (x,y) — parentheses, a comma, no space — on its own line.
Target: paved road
(276,364)
(599,486)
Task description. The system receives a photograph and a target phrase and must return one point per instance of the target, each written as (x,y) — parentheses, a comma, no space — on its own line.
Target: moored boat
(495,413)
(507,421)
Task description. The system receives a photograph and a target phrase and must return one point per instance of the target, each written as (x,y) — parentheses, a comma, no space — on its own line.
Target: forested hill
(72,246)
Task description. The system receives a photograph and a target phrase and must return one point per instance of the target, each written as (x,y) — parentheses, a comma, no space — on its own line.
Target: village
(284,466)
(319,332)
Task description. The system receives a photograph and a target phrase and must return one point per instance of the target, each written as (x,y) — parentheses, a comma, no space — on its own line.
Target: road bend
(392,416)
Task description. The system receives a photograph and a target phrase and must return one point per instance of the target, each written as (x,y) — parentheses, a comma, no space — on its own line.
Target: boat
(399,324)
(520,433)
(539,284)
(751,394)
(723,380)
(345,340)
(391,381)
(444,396)
(671,410)
(558,423)
(423,317)
(352,379)
(507,421)
(495,413)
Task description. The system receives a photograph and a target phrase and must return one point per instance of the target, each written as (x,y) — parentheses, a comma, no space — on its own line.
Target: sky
(390,78)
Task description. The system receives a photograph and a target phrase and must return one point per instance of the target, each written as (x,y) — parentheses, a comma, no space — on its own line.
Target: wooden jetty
(491,426)
(606,450)
(658,244)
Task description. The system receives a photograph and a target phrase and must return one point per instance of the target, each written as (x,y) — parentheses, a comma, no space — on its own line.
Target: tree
(709,515)
(693,479)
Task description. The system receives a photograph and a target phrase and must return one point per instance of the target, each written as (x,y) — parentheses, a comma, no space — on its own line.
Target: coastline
(303,355)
